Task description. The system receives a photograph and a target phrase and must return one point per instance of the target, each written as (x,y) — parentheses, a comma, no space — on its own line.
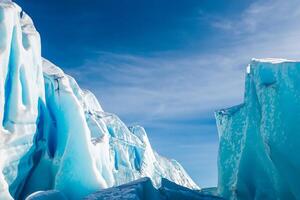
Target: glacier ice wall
(21,94)
(55,135)
(259,139)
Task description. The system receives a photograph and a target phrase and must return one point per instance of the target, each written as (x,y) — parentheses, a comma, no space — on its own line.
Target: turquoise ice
(259,139)
(56,136)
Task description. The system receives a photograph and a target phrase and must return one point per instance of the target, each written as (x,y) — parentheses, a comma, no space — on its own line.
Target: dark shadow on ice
(21,187)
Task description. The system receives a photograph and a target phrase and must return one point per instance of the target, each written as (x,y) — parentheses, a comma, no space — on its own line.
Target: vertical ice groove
(18,99)
(71,122)
(9,82)
(25,88)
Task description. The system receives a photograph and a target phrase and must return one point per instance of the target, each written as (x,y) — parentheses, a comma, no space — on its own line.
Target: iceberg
(259,139)
(54,136)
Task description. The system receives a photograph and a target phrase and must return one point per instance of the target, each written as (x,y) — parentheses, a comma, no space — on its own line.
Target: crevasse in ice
(56,136)
(259,139)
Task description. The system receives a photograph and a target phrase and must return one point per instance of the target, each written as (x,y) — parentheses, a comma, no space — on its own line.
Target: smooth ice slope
(55,136)
(259,139)
(47,195)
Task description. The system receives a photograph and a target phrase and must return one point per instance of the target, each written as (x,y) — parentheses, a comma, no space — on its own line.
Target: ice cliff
(259,139)
(56,136)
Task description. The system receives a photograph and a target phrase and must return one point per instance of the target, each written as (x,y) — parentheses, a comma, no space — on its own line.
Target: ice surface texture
(259,139)
(143,189)
(54,135)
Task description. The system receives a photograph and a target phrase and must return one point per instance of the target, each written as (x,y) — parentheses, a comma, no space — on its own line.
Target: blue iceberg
(56,136)
(259,139)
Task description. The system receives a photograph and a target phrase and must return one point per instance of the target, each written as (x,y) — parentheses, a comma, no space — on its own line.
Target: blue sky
(167,64)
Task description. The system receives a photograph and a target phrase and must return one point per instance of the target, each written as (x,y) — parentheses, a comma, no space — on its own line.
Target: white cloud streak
(164,87)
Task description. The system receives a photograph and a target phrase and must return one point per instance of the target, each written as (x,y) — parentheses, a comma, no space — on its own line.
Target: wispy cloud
(175,85)
(163,86)
(260,17)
